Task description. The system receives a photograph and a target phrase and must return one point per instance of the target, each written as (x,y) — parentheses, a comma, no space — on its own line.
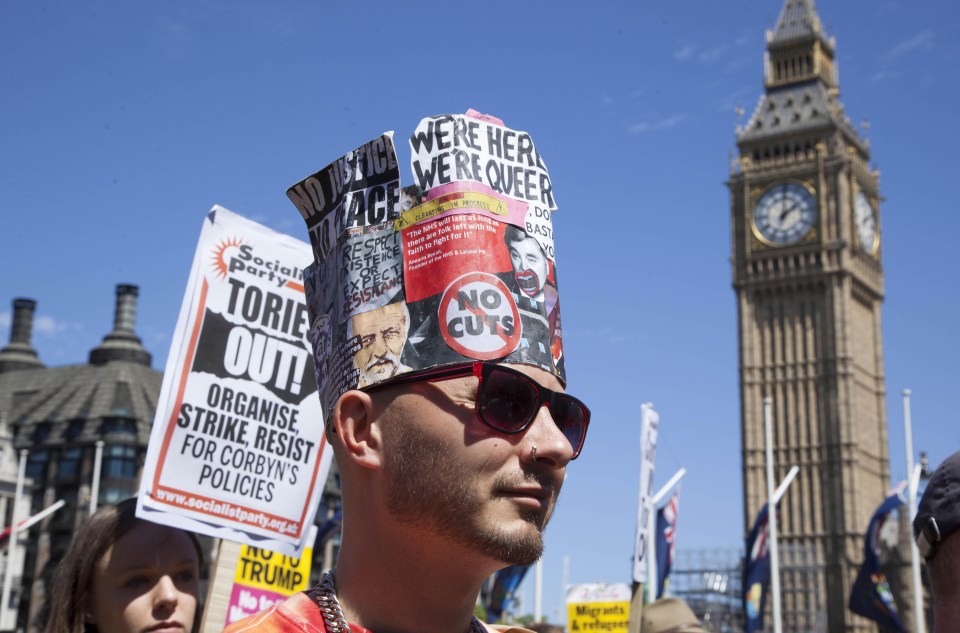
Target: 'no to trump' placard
(237,449)
(598,608)
(264,578)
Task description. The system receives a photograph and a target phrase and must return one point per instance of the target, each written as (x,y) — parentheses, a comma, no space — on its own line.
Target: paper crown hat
(458,267)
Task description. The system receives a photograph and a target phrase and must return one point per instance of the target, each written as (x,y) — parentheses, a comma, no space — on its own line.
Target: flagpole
(914,474)
(12,549)
(772,517)
(758,549)
(40,516)
(95,484)
(677,476)
(782,488)
(538,592)
(652,534)
(516,600)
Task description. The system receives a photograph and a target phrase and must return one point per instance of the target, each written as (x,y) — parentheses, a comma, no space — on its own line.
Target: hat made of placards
(457,267)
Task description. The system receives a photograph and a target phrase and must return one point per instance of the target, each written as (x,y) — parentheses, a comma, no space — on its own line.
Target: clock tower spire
(798,50)
(807,273)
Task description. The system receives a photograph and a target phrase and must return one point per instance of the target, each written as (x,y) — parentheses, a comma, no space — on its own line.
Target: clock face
(866,223)
(785,213)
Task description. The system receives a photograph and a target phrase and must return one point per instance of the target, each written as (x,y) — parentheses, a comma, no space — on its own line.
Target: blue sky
(122,123)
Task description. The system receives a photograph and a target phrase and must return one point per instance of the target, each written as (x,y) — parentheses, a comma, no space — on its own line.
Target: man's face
(382,333)
(453,476)
(529,266)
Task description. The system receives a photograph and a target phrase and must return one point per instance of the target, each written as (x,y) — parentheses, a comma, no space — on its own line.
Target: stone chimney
(19,354)
(122,343)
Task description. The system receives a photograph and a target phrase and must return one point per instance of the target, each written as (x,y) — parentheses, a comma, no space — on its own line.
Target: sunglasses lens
(570,418)
(508,401)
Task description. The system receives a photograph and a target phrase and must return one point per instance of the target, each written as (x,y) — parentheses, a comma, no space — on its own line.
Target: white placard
(649,425)
(237,449)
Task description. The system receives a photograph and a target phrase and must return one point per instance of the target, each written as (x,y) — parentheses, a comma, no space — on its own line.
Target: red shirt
(300,613)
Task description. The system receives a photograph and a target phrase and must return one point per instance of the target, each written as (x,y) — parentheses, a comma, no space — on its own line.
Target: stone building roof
(52,406)
(798,108)
(68,404)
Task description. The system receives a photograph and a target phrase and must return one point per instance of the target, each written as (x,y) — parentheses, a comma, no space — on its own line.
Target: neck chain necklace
(332,613)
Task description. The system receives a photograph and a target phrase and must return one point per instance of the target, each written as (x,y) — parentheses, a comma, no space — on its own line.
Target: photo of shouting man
(538,300)
(530,264)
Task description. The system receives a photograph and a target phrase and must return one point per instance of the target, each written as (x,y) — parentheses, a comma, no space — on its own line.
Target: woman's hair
(69,598)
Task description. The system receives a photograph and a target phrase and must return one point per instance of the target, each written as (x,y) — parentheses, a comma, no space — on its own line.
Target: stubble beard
(430,489)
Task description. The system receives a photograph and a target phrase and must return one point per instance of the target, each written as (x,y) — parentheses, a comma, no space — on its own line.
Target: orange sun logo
(219,263)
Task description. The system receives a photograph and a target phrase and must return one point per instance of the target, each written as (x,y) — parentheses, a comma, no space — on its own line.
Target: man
(434,501)
(449,471)
(382,334)
(935,530)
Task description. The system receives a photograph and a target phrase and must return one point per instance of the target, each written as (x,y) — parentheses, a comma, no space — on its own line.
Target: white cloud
(43,326)
(662,124)
(886,75)
(174,38)
(685,53)
(885,8)
(922,40)
(711,55)
(740,98)
(737,63)
(290,225)
(48,325)
(706,56)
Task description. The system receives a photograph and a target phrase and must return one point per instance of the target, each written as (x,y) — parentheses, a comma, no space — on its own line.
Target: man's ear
(357,431)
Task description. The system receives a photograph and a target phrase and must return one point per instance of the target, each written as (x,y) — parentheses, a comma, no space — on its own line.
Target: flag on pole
(505,584)
(870,595)
(666,539)
(756,573)
(329,528)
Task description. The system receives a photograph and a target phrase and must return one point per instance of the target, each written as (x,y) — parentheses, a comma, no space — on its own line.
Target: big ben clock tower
(807,247)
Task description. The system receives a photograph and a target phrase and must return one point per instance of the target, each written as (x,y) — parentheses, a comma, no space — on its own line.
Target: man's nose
(551,444)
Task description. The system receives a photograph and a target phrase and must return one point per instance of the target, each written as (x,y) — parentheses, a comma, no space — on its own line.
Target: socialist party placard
(237,449)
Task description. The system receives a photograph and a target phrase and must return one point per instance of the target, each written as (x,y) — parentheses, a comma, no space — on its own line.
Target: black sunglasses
(508,400)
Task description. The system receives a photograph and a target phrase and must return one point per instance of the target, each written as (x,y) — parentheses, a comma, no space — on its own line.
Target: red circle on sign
(479,317)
